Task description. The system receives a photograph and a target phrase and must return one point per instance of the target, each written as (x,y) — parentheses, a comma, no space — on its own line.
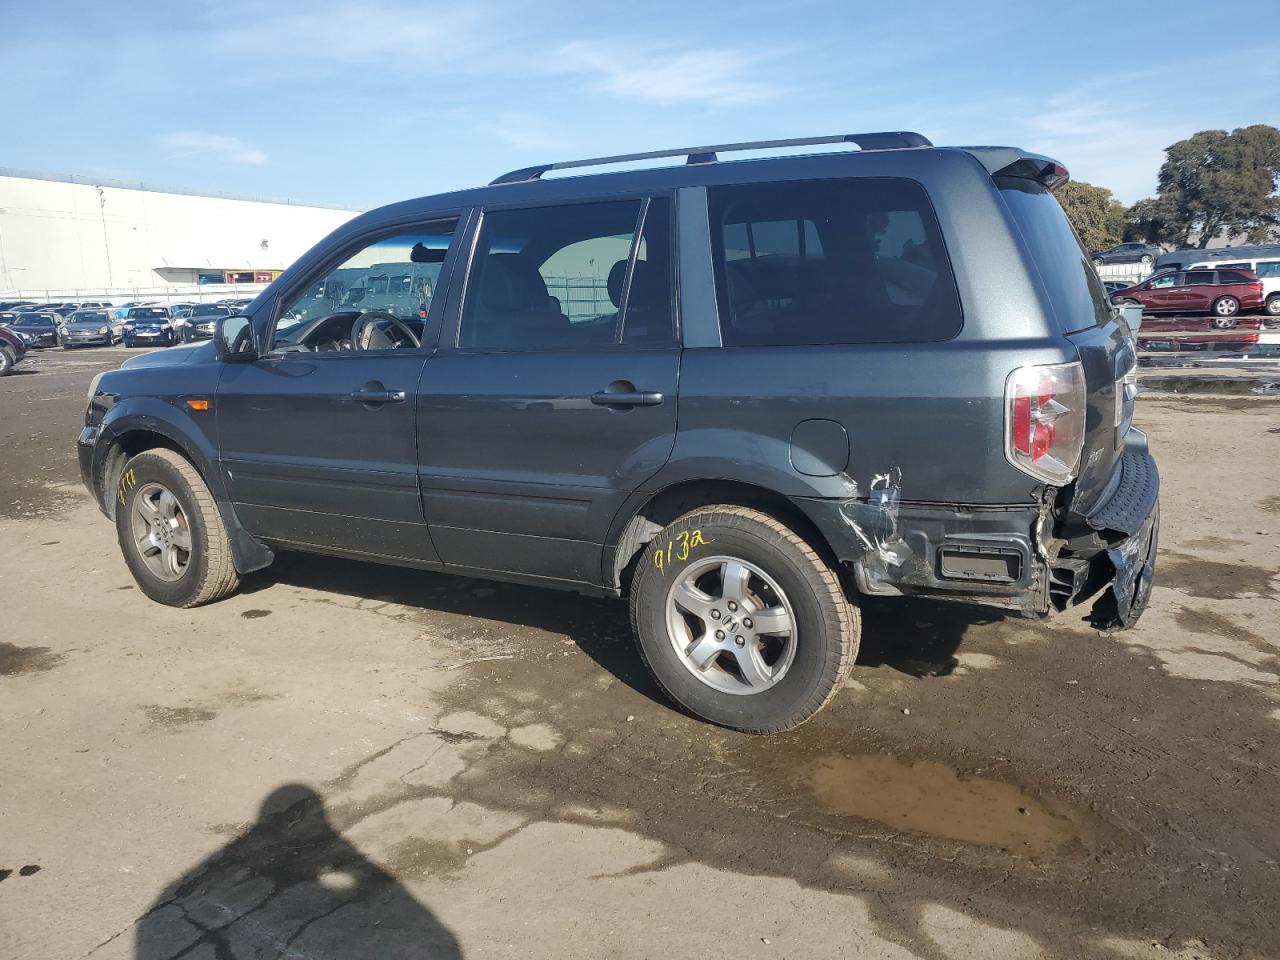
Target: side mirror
(233,339)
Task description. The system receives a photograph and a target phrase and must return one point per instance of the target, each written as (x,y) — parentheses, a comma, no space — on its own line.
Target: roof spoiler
(1012,162)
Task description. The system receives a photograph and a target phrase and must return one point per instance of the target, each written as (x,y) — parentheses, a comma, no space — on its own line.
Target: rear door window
(831,261)
(1073,286)
(571,277)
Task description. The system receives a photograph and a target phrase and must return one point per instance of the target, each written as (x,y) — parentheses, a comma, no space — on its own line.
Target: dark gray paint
(501,463)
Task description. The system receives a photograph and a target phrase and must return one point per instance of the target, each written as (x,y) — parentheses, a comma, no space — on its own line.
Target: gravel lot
(345,760)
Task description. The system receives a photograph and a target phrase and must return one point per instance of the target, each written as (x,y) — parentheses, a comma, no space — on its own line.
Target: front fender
(195,440)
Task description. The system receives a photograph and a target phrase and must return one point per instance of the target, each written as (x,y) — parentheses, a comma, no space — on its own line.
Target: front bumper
(150,337)
(85,444)
(87,340)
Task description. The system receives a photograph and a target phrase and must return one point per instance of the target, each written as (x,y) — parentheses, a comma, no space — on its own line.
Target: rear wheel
(1097,261)
(740,622)
(1224,312)
(1147,260)
(170,532)
(6,361)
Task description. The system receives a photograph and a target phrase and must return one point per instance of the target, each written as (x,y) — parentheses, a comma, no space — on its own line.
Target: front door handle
(377,394)
(627,398)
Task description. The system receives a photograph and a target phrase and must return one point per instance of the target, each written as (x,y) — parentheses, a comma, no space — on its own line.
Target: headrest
(617,275)
(510,282)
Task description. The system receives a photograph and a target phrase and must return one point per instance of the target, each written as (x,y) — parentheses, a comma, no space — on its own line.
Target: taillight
(1044,420)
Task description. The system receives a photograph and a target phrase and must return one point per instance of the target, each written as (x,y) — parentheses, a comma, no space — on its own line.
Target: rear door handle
(627,398)
(372,395)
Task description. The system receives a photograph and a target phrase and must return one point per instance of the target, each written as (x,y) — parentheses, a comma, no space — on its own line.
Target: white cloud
(193,143)
(710,76)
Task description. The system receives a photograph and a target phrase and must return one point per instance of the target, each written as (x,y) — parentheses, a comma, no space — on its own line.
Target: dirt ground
(350,761)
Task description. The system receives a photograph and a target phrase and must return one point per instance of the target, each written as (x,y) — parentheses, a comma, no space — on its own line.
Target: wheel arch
(129,437)
(643,518)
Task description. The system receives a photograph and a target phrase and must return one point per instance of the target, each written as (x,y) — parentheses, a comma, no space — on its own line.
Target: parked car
(88,327)
(1114,286)
(1222,293)
(40,328)
(14,304)
(1143,253)
(13,350)
(148,327)
(8,316)
(199,323)
(1265,268)
(1218,256)
(744,476)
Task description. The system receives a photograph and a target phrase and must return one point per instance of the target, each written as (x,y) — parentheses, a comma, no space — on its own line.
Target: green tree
(1098,217)
(1214,183)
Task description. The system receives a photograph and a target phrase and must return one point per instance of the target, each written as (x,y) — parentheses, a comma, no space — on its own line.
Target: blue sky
(364,103)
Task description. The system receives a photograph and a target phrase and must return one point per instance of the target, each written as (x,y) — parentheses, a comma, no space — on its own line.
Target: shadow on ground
(291,886)
(919,638)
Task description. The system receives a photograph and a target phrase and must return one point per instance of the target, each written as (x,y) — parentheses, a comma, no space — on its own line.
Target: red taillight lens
(1045,416)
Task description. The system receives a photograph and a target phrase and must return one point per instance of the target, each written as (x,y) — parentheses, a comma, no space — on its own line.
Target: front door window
(393,278)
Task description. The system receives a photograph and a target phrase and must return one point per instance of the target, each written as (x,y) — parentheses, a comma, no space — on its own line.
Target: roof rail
(891,140)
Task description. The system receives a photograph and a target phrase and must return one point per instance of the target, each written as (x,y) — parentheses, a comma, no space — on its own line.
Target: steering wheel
(365,336)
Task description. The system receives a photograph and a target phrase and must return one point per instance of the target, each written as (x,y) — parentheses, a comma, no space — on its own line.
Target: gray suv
(745,395)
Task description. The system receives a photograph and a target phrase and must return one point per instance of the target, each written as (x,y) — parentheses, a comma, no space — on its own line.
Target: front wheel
(6,361)
(170,532)
(1147,260)
(740,622)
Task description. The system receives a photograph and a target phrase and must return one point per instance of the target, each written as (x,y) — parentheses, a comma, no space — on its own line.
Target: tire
(1273,305)
(1224,312)
(208,573)
(796,674)
(6,361)
(1098,261)
(1147,260)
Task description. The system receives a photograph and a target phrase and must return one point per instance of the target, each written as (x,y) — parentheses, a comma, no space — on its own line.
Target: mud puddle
(930,798)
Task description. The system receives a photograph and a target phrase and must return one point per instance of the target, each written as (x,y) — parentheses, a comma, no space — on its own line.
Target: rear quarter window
(1075,291)
(857,260)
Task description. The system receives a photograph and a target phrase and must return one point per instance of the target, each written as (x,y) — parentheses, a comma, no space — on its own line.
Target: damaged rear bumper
(1030,559)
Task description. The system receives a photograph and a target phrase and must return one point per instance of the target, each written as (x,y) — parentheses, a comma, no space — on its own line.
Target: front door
(556,397)
(318,436)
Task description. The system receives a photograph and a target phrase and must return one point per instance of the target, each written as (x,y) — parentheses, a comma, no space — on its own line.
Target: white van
(1267,269)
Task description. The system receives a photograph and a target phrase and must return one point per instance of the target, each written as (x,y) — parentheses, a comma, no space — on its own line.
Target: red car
(1223,293)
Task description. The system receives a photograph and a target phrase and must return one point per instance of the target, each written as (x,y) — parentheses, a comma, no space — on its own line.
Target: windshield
(88,316)
(35,320)
(148,313)
(1078,297)
(209,310)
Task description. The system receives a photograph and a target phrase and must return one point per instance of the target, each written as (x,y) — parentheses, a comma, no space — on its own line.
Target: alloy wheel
(161,532)
(731,625)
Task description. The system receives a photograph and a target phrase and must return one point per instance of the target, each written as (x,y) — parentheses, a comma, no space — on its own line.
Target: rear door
(557,396)
(318,436)
(1197,290)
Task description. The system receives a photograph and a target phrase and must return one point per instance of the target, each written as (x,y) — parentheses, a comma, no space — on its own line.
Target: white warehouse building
(67,236)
